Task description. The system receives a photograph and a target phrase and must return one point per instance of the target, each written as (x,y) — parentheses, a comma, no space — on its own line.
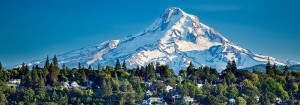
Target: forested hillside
(117,84)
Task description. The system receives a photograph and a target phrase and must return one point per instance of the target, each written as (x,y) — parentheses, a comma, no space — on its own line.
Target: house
(48,87)
(14,82)
(149,84)
(65,85)
(74,85)
(146,102)
(257,98)
(231,101)
(176,96)
(155,100)
(168,88)
(199,85)
(278,100)
(188,99)
(149,93)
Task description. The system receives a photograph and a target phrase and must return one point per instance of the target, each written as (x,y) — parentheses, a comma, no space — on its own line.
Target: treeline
(119,85)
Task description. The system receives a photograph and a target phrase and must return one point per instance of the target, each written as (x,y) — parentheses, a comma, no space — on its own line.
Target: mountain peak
(172,12)
(174,9)
(176,38)
(170,17)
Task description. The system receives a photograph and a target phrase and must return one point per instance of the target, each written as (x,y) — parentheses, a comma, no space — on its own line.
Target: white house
(199,85)
(168,88)
(14,82)
(74,84)
(188,99)
(231,101)
(177,96)
(278,100)
(149,93)
(156,100)
(65,85)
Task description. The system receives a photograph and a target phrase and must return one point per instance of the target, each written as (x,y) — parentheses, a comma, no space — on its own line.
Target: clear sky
(33,29)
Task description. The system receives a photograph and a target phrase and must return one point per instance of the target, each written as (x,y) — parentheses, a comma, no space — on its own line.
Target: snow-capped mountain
(175,38)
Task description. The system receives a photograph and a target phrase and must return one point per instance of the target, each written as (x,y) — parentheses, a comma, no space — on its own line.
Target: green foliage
(124,67)
(232,91)
(241,101)
(190,69)
(118,65)
(124,86)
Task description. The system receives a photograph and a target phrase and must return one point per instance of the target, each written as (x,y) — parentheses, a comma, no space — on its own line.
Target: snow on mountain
(175,38)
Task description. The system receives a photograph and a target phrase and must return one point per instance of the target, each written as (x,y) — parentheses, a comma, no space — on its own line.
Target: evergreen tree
(103,87)
(55,97)
(1,68)
(150,71)
(55,62)
(41,82)
(106,88)
(190,69)
(268,68)
(2,76)
(27,77)
(52,77)
(118,65)
(79,66)
(46,70)
(99,67)
(83,78)
(184,90)
(121,100)
(64,67)
(116,85)
(54,72)
(265,100)
(165,71)
(35,78)
(233,66)
(229,65)
(3,99)
(90,67)
(286,70)
(206,71)
(124,65)
(139,91)
(47,63)
(276,70)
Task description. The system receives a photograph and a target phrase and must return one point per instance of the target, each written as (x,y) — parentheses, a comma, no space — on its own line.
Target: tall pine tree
(286,71)
(276,70)
(190,69)
(118,65)
(99,67)
(233,67)
(47,63)
(1,68)
(124,65)
(269,68)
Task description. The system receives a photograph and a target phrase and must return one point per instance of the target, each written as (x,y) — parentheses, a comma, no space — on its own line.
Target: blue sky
(32,30)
